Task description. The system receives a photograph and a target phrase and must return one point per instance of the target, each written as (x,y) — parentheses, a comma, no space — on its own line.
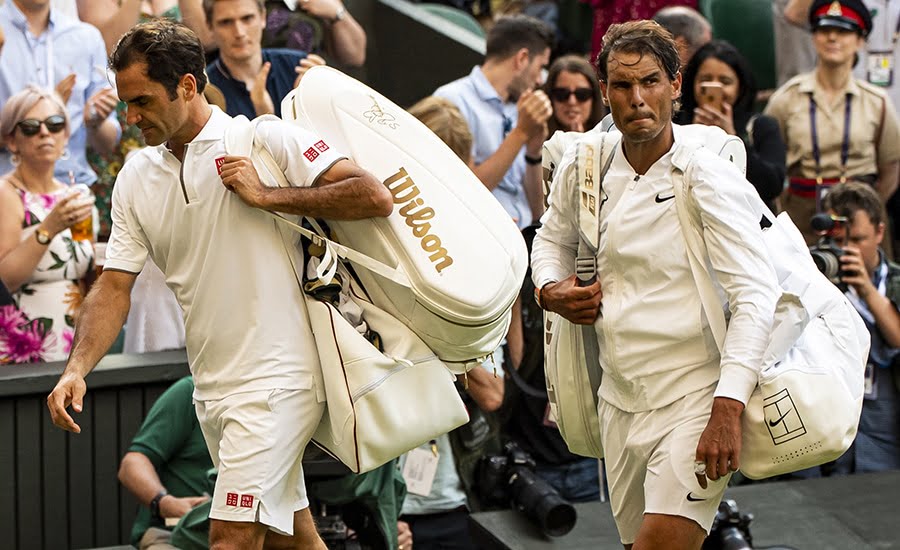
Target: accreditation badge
(871,384)
(880,68)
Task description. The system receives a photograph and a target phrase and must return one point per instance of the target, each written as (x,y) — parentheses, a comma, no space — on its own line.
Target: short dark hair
(169,49)
(685,22)
(641,37)
(514,32)
(728,54)
(846,198)
(208,6)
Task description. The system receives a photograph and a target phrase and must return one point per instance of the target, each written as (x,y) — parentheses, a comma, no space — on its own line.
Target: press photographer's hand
(855,273)
(578,304)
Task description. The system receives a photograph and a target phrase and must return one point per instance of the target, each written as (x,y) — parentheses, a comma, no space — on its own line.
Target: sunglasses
(31,126)
(562,94)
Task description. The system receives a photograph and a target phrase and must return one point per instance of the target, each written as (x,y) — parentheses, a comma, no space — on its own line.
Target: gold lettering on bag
(587,199)
(416,215)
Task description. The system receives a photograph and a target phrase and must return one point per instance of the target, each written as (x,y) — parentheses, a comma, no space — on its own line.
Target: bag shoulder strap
(689,218)
(592,162)
(236,136)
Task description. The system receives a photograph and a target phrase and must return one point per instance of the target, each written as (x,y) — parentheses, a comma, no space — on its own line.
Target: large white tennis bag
(461,252)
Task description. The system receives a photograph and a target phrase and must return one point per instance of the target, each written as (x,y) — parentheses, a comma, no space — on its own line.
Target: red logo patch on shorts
(246,501)
(321,146)
(219,163)
(232,499)
(311,154)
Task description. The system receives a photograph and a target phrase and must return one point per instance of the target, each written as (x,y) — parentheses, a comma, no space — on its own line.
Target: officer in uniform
(836,128)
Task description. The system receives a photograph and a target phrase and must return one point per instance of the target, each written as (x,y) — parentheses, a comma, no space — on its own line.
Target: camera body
(509,479)
(826,253)
(730,529)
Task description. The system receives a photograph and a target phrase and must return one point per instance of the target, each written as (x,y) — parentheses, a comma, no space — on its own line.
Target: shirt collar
(483,87)
(809,85)
(17,18)
(214,129)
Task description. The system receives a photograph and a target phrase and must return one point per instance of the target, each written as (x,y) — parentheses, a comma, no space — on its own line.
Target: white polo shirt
(245,319)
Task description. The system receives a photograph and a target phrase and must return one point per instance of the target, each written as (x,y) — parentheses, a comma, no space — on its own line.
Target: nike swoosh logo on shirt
(692,498)
(777,421)
(664,199)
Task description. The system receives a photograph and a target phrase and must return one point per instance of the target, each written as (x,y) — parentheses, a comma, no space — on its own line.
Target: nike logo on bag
(692,498)
(664,199)
(777,421)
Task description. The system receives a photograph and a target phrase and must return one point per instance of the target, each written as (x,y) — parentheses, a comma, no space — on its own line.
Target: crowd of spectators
(827,140)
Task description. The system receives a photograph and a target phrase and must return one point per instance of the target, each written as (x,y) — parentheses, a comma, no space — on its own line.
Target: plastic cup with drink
(82,230)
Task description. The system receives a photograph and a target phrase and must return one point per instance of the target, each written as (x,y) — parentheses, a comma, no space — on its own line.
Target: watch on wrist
(532,160)
(539,294)
(339,14)
(42,236)
(154,505)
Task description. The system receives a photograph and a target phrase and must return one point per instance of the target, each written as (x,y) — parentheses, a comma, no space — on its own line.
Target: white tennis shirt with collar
(655,342)
(244,314)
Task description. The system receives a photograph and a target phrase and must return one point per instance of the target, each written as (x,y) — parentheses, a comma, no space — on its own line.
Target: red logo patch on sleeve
(311,154)
(231,499)
(246,501)
(219,163)
(321,146)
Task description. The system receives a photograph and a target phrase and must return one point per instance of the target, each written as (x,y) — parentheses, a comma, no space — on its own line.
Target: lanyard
(845,144)
(896,27)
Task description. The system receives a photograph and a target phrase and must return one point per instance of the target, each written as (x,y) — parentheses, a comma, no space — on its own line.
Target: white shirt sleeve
(302,155)
(127,247)
(730,212)
(556,242)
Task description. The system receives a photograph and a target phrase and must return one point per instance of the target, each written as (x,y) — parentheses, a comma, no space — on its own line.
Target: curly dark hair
(641,37)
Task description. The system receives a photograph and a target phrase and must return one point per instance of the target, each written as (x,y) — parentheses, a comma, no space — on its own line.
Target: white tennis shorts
(256,441)
(650,463)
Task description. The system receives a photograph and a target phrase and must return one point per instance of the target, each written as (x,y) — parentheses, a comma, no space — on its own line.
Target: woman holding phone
(719,90)
(574,92)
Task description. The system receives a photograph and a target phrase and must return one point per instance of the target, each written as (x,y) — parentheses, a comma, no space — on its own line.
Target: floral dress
(40,325)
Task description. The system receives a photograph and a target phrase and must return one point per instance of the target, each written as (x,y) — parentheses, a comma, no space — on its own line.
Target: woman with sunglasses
(719,90)
(575,95)
(39,260)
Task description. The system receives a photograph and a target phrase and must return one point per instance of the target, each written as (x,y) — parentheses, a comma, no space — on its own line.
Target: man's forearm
(492,170)
(100,320)
(352,199)
(138,475)
(534,190)
(348,41)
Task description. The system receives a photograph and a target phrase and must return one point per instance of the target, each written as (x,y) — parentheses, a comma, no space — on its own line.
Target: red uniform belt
(806,187)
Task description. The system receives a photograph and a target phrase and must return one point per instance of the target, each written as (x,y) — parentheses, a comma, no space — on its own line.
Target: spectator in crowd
(874,290)
(690,30)
(670,404)
(166,467)
(253,80)
(794,52)
(39,260)
(171,189)
(437,513)
(55,52)
(574,93)
(114,17)
(322,27)
(836,128)
(720,63)
(507,113)
(609,12)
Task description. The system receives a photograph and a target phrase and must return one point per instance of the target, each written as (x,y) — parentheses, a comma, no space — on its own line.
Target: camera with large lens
(826,253)
(730,529)
(509,478)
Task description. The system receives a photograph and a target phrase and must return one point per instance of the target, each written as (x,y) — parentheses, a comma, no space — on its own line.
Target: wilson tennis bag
(458,257)
(571,357)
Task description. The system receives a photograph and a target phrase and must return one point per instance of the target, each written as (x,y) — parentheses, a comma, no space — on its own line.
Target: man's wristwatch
(154,505)
(339,14)
(42,236)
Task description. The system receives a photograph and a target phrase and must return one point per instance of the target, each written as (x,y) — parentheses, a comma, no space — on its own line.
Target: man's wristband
(539,295)
(532,160)
(154,504)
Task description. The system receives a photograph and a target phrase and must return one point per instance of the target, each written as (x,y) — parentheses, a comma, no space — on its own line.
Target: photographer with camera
(874,290)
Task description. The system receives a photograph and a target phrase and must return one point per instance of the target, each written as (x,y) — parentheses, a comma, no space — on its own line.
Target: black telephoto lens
(540,501)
